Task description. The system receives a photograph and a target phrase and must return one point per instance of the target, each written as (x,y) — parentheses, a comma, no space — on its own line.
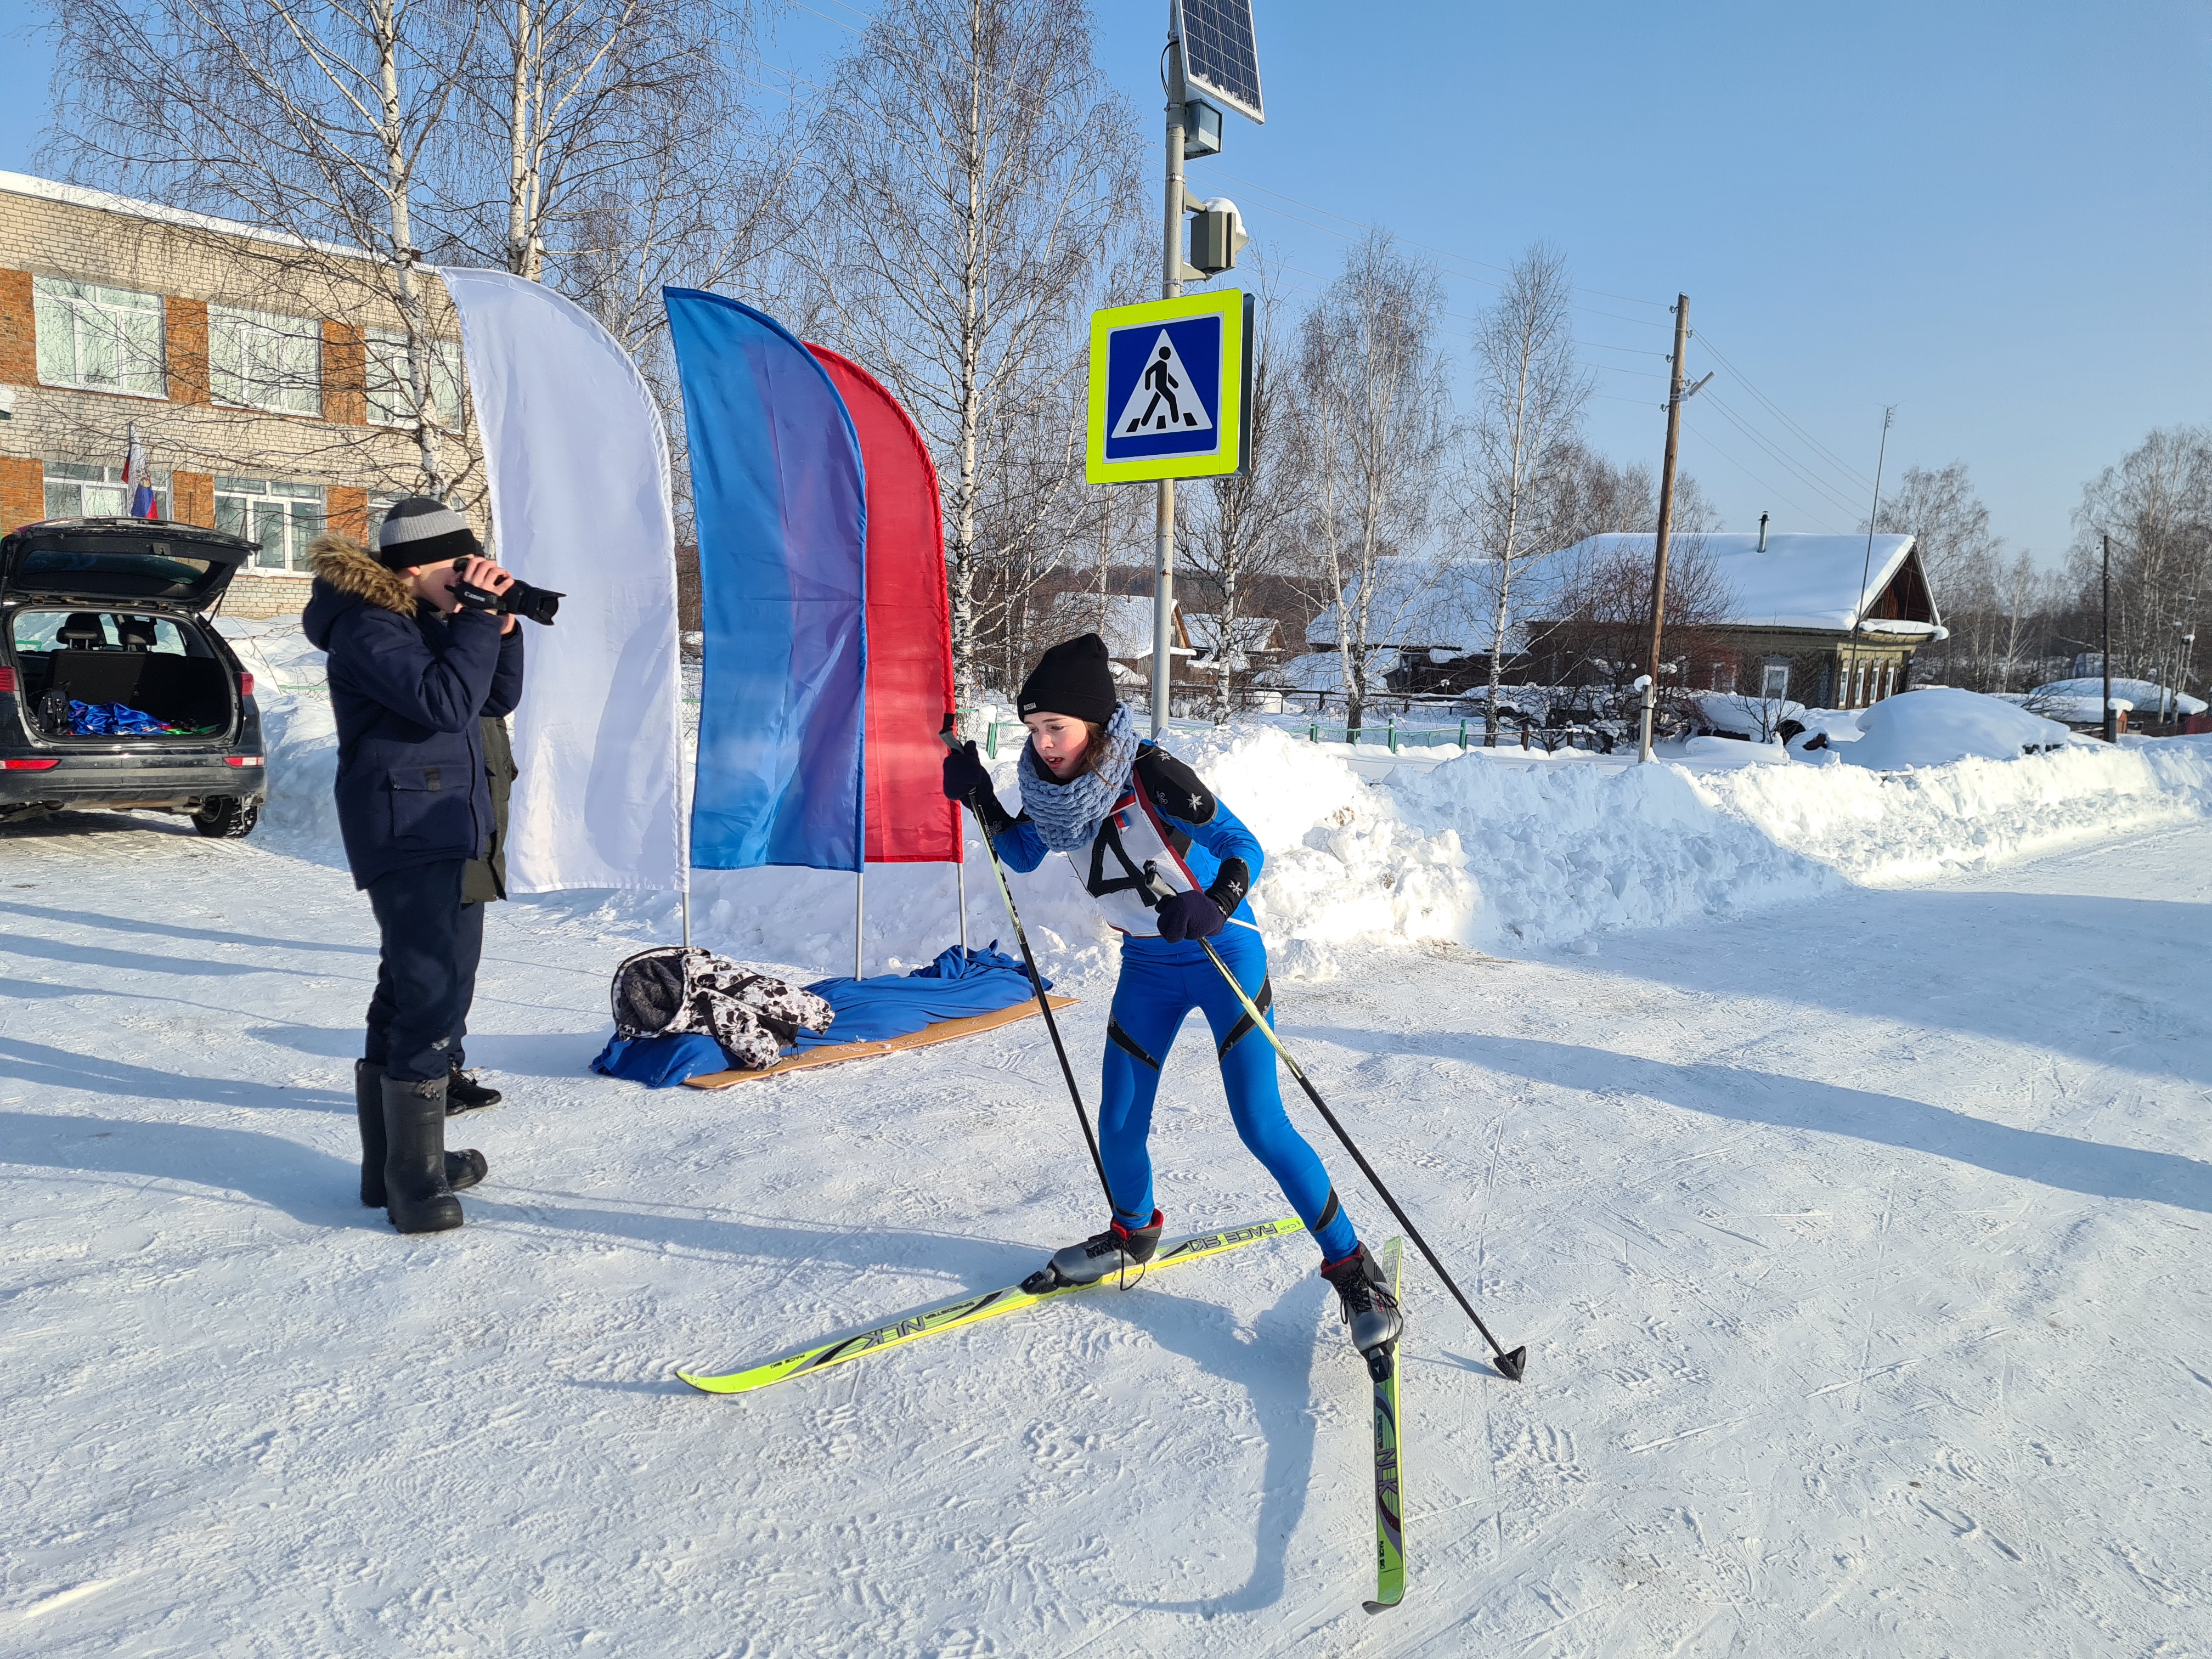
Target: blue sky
(1997,218)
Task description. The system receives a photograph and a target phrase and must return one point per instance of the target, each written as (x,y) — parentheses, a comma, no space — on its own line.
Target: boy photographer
(417,658)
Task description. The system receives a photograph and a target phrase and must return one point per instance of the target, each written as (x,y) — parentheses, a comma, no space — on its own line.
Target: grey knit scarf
(1068,815)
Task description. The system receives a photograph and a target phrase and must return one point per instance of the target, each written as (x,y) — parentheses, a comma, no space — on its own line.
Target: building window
(1888,677)
(1774,682)
(98,339)
(1723,676)
(284,518)
(390,403)
(96,492)
(261,360)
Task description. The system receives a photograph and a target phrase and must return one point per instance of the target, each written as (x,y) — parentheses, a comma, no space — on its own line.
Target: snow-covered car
(115,691)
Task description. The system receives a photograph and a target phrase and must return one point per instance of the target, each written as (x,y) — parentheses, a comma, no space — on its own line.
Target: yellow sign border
(1230,305)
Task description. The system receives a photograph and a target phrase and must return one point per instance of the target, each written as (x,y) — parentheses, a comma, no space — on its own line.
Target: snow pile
(1558,855)
(1341,864)
(2071,698)
(299,735)
(1731,715)
(1937,726)
(1469,851)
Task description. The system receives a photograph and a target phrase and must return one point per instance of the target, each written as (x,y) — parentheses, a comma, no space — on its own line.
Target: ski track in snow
(1859,1246)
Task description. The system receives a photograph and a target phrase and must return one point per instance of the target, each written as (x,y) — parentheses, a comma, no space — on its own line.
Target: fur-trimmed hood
(345,564)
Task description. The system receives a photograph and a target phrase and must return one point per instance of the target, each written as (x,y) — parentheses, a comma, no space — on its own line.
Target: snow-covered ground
(1857,1229)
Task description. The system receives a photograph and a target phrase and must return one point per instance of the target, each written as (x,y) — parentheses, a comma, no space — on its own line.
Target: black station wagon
(116,692)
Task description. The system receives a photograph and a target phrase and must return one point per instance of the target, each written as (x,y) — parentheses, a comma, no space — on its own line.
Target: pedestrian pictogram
(1167,389)
(1170,402)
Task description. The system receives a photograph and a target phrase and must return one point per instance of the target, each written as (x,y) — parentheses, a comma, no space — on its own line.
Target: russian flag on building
(136,480)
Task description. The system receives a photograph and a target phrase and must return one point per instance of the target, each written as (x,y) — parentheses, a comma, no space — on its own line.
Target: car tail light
(241,760)
(245,685)
(28,765)
(7,679)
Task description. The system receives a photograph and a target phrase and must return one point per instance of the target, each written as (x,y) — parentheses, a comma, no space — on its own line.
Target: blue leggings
(1160,984)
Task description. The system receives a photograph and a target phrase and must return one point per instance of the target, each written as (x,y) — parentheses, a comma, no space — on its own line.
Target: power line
(1756,479)
(1852,473)
(1835,497)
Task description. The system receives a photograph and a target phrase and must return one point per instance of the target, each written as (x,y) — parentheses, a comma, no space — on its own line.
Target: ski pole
(1036,982)
(1510,1365)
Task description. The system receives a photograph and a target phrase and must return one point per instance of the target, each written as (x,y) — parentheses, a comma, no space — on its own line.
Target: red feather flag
(909,630)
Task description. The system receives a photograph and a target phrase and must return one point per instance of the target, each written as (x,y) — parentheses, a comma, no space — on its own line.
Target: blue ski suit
(1161,982)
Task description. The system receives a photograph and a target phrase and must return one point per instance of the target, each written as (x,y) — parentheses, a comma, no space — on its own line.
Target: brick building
(261,374)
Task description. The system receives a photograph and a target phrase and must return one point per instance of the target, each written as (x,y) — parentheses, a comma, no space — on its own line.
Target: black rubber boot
(463,1170)
(417,1194)
(368,1113)
(464,1094)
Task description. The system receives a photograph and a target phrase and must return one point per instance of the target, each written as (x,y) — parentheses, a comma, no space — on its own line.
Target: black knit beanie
(1071,678)
(419,531)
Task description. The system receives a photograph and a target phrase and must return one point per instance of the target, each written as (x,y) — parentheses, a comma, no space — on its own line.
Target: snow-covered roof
(1419,603)
(101,201)
(1126,625)
(1324,671)
(1251,633)
(1820,582)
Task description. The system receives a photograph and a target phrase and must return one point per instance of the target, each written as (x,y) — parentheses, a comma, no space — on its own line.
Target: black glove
(965,775)
(1189,916)
(967,778)
(1230,884)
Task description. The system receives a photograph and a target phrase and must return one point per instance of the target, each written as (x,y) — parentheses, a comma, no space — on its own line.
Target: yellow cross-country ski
(1390,1496)
(968,1309)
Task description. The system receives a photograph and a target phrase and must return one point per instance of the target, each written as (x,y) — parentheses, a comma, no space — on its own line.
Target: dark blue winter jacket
(408,686)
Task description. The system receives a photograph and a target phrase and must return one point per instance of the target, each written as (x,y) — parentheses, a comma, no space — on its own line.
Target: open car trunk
(85,674)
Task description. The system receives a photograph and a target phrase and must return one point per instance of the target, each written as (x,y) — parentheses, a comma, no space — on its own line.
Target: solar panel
(1219,57)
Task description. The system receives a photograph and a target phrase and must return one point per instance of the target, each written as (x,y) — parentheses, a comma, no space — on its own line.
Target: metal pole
(1666,519)
(2111,719)
(1866,564)
(860,893)
(1165,512)
(687,910)
(1037,983)
(960,886)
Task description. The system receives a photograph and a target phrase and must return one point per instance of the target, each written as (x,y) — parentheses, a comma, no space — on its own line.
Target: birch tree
(1241,528)
(976,173)
(310,118)
(1530,396)
(2156,505)
(1373,431)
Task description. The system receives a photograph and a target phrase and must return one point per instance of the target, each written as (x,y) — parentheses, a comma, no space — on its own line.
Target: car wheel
(226,817)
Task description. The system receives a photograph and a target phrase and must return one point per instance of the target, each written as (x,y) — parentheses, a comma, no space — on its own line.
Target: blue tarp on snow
(868,1011)
(661,1062)
(879,1009)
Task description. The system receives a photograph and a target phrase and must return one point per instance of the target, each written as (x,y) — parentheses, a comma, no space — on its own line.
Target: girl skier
(1120,808)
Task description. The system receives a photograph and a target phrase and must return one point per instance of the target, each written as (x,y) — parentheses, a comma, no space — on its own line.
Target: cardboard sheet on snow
(942,1030)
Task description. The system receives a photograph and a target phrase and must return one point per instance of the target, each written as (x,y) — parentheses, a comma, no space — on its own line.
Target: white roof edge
(101,201)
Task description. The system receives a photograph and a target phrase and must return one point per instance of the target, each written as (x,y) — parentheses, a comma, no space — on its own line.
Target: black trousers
(468,952)
(419,1002)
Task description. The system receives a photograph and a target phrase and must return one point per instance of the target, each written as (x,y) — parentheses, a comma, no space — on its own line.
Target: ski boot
(464,1094)
(1370,1308)
(463,1169)
(1119,1247)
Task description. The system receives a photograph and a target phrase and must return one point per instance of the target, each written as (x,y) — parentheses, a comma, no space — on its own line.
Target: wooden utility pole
(1666,521)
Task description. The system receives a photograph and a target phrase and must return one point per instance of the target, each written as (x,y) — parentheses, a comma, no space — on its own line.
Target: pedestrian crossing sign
(1171,389)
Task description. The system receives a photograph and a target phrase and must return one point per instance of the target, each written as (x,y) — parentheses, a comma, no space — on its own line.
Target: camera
(534,605)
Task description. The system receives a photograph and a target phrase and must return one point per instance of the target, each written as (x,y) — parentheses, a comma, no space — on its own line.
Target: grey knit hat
(419,531)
